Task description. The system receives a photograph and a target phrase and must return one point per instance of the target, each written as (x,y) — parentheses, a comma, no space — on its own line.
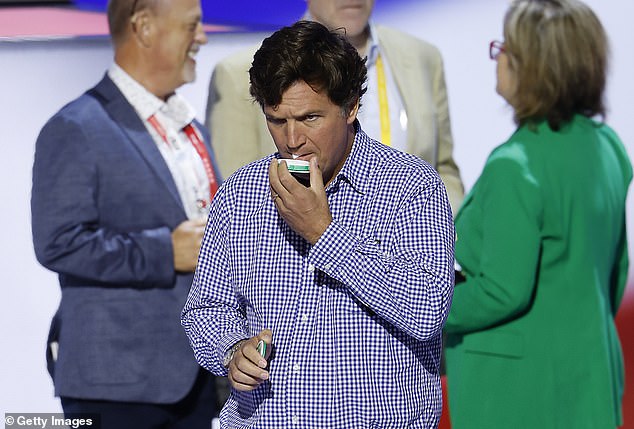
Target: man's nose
(201,36)
(294,136)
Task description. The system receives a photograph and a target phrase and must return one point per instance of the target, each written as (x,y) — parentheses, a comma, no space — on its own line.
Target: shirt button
(311,268)
(328,266)
(296,368)
(304,318)
(295,419)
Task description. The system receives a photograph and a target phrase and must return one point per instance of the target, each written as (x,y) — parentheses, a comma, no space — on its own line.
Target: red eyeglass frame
(495,49)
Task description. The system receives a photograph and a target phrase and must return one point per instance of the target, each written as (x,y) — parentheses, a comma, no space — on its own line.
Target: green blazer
(531,340)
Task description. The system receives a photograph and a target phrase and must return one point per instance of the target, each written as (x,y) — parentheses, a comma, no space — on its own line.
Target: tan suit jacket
(240,134)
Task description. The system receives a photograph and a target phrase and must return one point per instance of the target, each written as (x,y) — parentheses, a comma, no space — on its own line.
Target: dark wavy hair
(558,51)
(307,51)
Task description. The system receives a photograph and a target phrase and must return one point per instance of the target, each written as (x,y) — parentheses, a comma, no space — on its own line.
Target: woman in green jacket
(531,340)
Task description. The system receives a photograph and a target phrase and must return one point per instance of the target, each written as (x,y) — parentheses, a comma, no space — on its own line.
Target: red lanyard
(200,147)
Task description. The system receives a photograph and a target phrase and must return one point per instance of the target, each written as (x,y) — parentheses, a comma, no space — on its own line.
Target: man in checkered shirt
(324,304)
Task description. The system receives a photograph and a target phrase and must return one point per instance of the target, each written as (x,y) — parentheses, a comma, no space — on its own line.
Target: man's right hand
(247,369)
(186,241)
(304,209)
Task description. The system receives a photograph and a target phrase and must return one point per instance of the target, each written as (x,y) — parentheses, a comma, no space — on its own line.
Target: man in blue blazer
(122,180)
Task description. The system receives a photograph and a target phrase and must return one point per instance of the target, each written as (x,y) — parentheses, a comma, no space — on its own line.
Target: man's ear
(143,27)
(352,115)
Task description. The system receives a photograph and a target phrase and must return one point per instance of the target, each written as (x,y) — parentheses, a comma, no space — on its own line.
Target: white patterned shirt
(186,166)
(356,318)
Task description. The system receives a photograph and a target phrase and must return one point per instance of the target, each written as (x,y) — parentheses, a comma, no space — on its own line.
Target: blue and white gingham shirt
(356,318)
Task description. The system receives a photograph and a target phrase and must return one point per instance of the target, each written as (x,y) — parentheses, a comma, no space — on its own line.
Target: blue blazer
(103,207)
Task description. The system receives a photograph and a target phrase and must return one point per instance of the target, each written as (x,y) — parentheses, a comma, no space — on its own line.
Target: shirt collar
(176,110)
(372,47)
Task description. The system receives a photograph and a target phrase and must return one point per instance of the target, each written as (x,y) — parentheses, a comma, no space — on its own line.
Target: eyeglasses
(495,49)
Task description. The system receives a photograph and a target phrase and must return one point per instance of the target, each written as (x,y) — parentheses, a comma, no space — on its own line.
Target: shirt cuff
(337,248)
(227,343)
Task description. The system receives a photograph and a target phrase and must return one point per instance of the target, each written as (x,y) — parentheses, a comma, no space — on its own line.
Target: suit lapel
(414,85)
(401,67)
(126,117)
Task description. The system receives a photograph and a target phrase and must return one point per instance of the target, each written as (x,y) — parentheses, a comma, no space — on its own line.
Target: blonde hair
(558,51)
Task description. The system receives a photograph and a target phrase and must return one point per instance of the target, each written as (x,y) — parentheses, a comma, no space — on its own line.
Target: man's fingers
(241,386)
(243,378)
(246,376)
(316,178)
(288,183)
(274,180)
(266,335)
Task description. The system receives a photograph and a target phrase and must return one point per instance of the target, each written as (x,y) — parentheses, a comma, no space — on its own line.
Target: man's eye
(310,118)
(275,121)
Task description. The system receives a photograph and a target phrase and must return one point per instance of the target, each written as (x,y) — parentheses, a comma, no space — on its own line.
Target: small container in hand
(299,169)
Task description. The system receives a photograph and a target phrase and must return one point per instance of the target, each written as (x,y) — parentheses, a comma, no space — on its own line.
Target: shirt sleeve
(504,283)
(408,284)
(212,317)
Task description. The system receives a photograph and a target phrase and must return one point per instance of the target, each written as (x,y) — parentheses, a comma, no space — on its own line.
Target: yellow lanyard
(383,105)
